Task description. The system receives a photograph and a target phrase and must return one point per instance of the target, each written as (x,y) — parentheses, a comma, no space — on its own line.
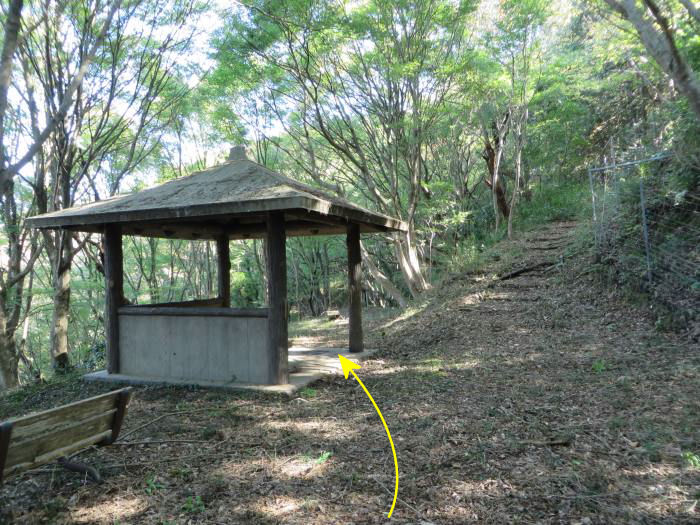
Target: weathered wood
(40,444)
(236,226)
(292,228)
(355,288)
(214,302)
(114,293)
(223,256)
(122,404)
(277,296)
(59,452)
(5,436)
(32,440)
(257,229)
(27,426)
(201,311)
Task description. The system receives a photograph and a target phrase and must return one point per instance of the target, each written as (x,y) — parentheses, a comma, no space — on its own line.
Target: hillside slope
(538,398)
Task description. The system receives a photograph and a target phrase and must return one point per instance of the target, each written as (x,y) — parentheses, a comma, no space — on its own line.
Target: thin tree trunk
(389,287)
(12,27)
(7,172)
(9,362)
(490,157)
(519,144)
(61,310)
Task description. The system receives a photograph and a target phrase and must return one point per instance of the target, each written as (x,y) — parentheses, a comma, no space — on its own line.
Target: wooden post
(277,299)
(355,288)
(223,255)
(5,435)
(114,293)
(122,402)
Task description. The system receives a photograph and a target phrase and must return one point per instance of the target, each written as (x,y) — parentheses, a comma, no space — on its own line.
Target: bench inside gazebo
(207,342)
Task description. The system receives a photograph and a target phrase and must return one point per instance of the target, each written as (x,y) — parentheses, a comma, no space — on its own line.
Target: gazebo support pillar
(277,299)
(114,293)
(223,255)
(355,288)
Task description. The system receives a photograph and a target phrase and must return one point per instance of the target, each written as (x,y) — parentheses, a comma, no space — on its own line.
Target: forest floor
(541,398)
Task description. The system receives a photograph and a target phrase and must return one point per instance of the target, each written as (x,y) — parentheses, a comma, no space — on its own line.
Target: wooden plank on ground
(60,452)
(29,441)
(29,424)
(44,442)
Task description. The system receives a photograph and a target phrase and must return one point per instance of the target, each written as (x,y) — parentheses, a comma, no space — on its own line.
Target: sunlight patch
(472,298)
(115,510)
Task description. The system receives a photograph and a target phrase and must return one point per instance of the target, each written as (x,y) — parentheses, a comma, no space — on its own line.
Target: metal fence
(647,227)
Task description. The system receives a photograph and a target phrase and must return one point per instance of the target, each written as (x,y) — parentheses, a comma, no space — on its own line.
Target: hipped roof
(231,199)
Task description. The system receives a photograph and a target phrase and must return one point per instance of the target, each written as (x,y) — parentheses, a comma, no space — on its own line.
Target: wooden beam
(223,256)
(5,436)
(277,297)
(193,311)
(114,293)
(355,288)
(130,208)
(122,402)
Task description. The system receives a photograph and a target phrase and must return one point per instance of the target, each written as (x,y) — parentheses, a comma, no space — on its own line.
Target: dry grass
(540,399)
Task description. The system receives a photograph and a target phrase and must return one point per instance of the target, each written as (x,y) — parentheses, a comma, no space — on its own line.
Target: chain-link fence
(646,223)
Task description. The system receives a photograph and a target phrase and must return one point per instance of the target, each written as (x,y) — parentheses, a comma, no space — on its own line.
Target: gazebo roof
(232,198)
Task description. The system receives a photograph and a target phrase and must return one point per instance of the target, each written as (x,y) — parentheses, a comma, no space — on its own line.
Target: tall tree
(372,82)
(129,99)
(99,85)
(655,32)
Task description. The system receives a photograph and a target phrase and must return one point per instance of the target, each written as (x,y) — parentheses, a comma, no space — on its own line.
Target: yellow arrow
(348,367)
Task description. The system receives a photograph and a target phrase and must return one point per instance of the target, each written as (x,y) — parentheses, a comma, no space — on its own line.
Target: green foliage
(384,80)
(308,392)
(599,366)
(193,505)
(323,457)
(555,202)
(152,485)
(691,459)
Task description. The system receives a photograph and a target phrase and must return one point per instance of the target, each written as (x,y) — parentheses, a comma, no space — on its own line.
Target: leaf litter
(541,398)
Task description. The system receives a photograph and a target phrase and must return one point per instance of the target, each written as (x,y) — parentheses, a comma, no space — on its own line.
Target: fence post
(645,230)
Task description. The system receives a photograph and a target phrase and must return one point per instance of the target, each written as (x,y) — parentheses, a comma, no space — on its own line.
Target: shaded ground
(543,398)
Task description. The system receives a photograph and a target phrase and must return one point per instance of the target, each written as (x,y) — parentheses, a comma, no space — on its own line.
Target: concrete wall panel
(222,348)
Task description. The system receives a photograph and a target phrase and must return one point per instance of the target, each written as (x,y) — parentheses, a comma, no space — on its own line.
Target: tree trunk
(260,251)
(389,287)
(12,27)
(61,310)
(662,47)
(407,256)
(516,190)
(9,361)
(519,145)
(490,156)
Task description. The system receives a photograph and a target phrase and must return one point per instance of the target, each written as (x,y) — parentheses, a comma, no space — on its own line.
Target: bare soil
(542,398)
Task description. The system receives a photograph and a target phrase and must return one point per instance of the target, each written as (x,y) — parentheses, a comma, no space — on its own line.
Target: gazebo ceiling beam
(297,223)
(194,231)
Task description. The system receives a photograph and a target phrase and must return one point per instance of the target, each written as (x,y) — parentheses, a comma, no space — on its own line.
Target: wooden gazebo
(207,340)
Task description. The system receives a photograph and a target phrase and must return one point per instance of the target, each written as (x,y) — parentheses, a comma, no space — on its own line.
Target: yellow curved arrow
(348,367)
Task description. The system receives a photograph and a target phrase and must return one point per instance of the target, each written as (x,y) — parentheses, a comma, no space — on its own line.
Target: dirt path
(542,398)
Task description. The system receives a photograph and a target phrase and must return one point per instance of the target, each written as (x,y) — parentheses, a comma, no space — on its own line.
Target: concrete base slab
(306,365)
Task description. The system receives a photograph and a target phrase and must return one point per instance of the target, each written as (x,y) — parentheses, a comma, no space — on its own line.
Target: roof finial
(237,153)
